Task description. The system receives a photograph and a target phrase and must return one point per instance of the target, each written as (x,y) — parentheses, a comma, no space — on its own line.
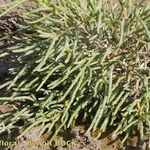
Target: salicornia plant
(84,61)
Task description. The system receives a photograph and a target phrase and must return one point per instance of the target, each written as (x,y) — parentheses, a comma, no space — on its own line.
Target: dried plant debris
(84,62)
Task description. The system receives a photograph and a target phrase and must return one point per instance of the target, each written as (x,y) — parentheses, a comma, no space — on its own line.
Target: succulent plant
(81,61)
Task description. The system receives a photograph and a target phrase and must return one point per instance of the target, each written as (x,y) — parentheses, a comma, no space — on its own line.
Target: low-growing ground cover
(79,62)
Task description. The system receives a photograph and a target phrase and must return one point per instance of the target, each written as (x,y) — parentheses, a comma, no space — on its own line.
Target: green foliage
(81,61)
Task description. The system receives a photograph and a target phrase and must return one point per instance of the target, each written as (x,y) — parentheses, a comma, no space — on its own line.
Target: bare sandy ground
(77,138)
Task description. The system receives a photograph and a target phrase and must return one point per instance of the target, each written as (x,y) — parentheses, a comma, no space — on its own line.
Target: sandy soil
(77,138)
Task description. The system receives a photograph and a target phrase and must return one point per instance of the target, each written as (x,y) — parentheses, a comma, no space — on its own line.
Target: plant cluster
(81,61)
